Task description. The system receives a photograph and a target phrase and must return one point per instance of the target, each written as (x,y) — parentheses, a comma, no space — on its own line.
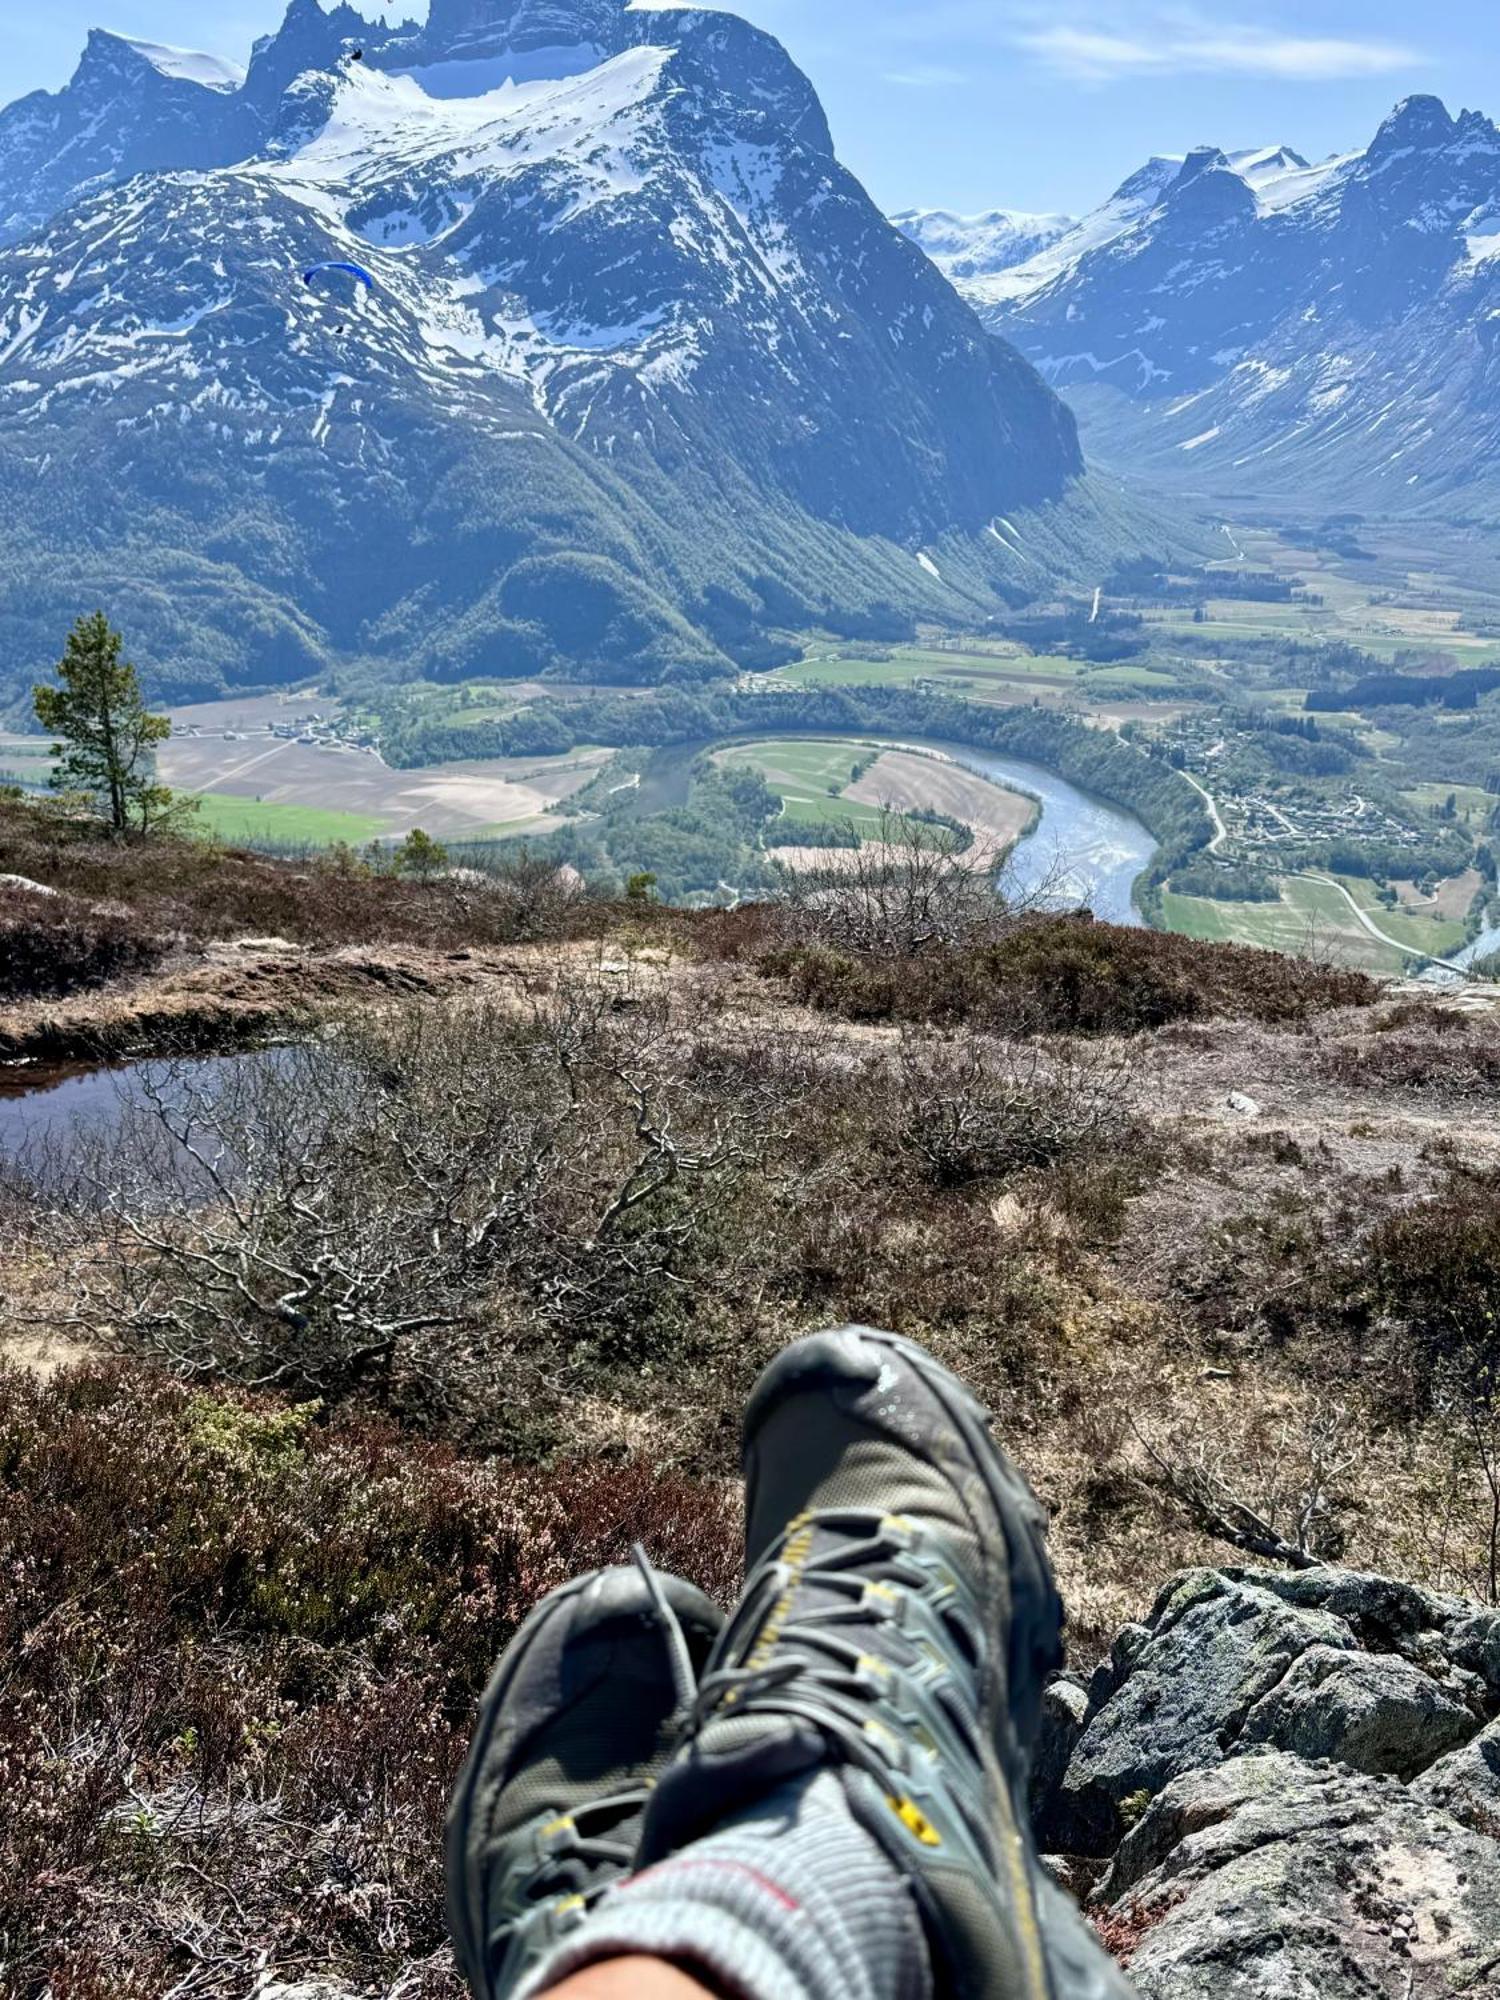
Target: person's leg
(791,1901)
(861,1747)
(845,1817)
(786,1899)
(580,1715)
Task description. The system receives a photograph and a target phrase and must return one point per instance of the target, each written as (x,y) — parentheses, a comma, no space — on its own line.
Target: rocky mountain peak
(1147,183)
(1250,319)
(469,27)
(1207,191)
(110,62)
(307,39)
(106,55)
(639,289)
(1202,160)
(1418,124)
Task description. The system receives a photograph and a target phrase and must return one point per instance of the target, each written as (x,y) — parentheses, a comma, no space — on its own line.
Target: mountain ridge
(1259,327)
(631,321)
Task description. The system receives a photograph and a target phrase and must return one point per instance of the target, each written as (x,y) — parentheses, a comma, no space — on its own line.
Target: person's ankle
(789,1899)
(633,1978)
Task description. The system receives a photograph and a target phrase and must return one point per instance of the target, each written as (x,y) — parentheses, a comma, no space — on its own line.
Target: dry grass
(242,1645)
(244,1638)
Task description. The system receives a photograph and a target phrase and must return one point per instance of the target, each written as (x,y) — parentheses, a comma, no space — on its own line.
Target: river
(1083,853)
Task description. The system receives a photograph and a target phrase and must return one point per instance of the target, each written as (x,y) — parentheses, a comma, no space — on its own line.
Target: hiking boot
(578,1719)
(898,1627)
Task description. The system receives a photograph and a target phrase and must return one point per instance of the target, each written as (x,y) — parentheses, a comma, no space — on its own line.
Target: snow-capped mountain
(640,371)
(1251,323)
(979,246)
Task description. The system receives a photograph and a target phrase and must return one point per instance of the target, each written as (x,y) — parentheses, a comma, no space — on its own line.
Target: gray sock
(790,1901)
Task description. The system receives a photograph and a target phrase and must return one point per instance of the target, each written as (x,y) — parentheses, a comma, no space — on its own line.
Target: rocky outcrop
(1467,1783)
(1273,1876)
(1295,1783)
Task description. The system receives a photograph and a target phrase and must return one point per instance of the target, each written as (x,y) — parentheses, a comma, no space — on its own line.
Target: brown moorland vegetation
(510,1261)
(242,1643)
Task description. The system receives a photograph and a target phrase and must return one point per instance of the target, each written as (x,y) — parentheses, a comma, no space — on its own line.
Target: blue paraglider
(340,264)
(338,278)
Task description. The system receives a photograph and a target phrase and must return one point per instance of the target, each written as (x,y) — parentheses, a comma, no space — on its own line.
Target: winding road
(1221,832)
(1406,950)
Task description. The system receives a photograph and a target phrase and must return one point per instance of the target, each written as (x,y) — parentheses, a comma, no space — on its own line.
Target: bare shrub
(1434,1270)
(1023,971)
(1418,1046)
(1288,1498)
(905,887)
(554,1179)
(975,1110)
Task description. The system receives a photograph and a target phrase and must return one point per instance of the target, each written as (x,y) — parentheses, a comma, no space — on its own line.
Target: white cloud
(1184,48)
(926,76)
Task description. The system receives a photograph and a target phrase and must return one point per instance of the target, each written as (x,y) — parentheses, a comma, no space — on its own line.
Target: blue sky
(1017,103)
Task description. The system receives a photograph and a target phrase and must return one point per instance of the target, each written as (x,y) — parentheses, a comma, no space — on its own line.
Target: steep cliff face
(628,319)
(464,27)
(131,107)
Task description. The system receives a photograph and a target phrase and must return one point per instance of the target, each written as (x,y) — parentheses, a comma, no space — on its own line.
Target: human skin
(631,1979)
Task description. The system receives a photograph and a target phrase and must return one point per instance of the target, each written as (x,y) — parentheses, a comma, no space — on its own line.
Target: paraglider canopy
(339,264)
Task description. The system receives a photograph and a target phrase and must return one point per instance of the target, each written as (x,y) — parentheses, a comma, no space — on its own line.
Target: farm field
(1431,930)
(1003,675)
(1311,920)
(909,780)
(251,820)
(226,750)
(817,782)
(999,666)
(810,775)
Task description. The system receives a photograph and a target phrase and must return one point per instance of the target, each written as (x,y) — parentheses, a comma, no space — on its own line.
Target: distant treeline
(1145,577)
(1202,876)
(1393,690)
(1095,759)
(1077,634)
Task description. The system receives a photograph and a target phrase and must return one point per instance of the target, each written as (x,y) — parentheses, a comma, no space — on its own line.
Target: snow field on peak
(380,125)
(188,65)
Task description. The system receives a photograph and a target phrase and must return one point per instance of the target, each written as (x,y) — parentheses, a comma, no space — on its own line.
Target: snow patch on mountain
(189,65)
(977,246)
(1280,327)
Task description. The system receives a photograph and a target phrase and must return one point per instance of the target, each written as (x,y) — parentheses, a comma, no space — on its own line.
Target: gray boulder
(1428,1627)
(1467,1783)
(1270,1878)
(1064,1708)
(1327,1663)
(1374,1711)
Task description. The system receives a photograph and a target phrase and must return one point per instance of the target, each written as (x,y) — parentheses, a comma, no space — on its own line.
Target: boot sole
(464,1887)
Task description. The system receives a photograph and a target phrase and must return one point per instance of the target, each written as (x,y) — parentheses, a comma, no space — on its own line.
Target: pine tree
(420,855)
(107,736)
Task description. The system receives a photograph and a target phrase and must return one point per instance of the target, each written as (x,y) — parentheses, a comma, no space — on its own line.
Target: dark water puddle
(52,1114)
